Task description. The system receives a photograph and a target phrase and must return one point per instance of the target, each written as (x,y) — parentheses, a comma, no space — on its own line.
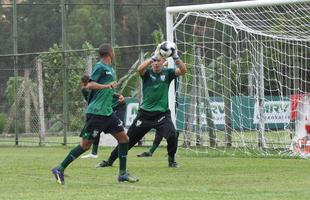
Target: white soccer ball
(167,49)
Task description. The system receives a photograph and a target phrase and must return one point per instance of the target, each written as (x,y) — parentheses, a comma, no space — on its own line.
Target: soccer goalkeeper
(154,111)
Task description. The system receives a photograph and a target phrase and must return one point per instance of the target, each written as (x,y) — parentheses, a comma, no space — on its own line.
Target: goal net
(246,61)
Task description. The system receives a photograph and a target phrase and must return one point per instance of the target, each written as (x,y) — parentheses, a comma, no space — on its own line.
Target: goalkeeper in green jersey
(154,112)
(100,116)
(119,109)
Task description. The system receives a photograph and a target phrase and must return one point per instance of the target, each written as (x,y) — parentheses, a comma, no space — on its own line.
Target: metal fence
(46,45)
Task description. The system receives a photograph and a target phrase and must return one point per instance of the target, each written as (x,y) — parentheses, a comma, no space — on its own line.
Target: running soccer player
(100,117)
(154,111)
(119,109)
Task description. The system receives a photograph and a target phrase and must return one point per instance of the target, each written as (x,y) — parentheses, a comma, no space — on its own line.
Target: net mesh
(244,68)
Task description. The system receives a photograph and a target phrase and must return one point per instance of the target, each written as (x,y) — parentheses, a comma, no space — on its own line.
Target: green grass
(25,174)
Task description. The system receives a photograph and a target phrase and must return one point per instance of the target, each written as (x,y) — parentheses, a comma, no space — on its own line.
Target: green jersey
(86,93)
(100,101)
(155,89)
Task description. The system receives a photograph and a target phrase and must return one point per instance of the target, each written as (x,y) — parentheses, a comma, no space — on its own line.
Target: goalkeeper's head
(157,65)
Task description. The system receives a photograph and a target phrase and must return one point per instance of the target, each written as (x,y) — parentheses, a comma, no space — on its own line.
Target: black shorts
(95,124)
(146,121)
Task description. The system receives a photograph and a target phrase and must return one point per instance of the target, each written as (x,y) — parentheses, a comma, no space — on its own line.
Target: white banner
(274,112)
(131,113)
(218,113)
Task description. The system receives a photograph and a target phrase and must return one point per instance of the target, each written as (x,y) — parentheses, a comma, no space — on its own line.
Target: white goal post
(245,61)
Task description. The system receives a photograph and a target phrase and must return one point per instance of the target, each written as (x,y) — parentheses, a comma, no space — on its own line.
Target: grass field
(25,174)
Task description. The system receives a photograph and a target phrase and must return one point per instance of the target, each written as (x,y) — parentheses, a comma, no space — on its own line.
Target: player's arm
(121,98)
(181,68)
(143,66)
(94,79)
(92,85)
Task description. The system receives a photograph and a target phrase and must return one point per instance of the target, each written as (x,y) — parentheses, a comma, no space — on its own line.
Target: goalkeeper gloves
(156,56)
(175,55)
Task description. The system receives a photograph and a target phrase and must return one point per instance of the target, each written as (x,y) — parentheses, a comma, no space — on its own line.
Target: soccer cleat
(127,177)
(59,175)
(104,164)
(95,156)
(173,165)
(145,154)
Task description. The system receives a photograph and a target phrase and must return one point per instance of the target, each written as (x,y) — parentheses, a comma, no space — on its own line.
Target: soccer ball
(167,49)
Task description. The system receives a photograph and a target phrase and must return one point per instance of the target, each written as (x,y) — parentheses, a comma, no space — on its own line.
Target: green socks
(122,155)
(74,153)
(94,149)
(153,148)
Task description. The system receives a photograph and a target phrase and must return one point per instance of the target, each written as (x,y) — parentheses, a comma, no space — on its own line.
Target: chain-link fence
(43,103)
(46,45)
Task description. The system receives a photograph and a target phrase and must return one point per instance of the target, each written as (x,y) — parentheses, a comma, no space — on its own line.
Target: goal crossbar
(231,5)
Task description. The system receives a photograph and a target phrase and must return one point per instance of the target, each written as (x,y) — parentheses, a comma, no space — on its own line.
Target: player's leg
(158,138)
(117,131)
(94,152)
(119,111)
(168,130)
(134,134)
(156,142)
(172,145)
(73,154)
(123,140)
(87,135)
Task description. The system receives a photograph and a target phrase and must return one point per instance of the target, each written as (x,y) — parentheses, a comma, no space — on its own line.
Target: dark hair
(85,79)
(105,50)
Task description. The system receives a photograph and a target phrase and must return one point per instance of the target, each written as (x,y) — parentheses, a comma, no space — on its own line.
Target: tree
(53,64)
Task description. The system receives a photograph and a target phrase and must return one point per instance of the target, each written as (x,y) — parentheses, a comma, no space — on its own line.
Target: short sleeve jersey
(100,101)
(155,89)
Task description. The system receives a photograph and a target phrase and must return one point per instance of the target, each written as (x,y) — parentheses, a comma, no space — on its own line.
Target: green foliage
(2,121)
(53,77)
(88,47)
(38,26)
(76,122)
(118,60)
(130,83)
(10,95)
(88,22)
(216,76)
(189,59)
(158,35)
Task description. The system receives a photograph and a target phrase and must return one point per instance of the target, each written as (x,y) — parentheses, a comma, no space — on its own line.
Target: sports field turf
(25,174)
